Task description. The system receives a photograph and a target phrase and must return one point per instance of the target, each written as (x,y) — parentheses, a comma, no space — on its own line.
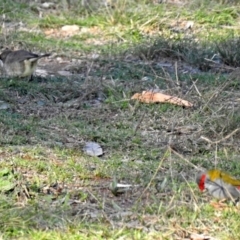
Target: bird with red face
(219,184)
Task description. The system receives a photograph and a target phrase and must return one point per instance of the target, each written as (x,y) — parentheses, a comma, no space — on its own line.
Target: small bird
(219,184)
(20,63)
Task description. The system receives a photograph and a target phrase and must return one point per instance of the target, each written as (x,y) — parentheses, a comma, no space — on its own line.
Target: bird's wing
(19,56)
(231,180)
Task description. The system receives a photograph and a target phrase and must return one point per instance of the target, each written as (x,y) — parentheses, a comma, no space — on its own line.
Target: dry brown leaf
(219,205)
(151,97)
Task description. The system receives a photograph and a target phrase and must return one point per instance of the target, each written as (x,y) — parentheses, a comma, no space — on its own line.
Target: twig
(215,94)
(195,86)
(224,138)
(176,74)
(138,124)
(154,175)
(191,164)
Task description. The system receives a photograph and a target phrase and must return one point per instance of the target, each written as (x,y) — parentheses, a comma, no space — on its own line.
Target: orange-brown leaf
(151,97)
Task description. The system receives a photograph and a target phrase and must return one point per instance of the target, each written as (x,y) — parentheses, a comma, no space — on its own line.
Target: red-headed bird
(219,184)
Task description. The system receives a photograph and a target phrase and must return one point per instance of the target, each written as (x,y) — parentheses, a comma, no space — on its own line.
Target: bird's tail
(44,55)
(35,59)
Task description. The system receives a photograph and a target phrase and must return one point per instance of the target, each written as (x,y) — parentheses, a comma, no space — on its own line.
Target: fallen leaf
(93,149)
(219,205)
(222,206)
(47,5)
(151,97)
(4,105)
(65,73)
(70,28)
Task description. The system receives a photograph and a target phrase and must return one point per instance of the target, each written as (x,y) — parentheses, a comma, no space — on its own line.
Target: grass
(50,189)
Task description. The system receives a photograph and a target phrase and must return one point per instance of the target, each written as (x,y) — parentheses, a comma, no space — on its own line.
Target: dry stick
(169,205)
(215,155)
(225,138)
(154,175)
(195,86)
(102,208)
(138,124)
(176,74)
(218,65)
(215,94)
(149,21)
(4,28)
(179,155)
(80,99)
(191,87)
(195,199)
(191,164)
(165,79)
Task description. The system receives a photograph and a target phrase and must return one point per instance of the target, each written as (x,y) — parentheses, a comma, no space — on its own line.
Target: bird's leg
(31,78)
(237,202)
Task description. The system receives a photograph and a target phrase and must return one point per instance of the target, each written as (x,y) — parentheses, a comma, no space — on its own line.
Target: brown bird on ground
(20,63)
